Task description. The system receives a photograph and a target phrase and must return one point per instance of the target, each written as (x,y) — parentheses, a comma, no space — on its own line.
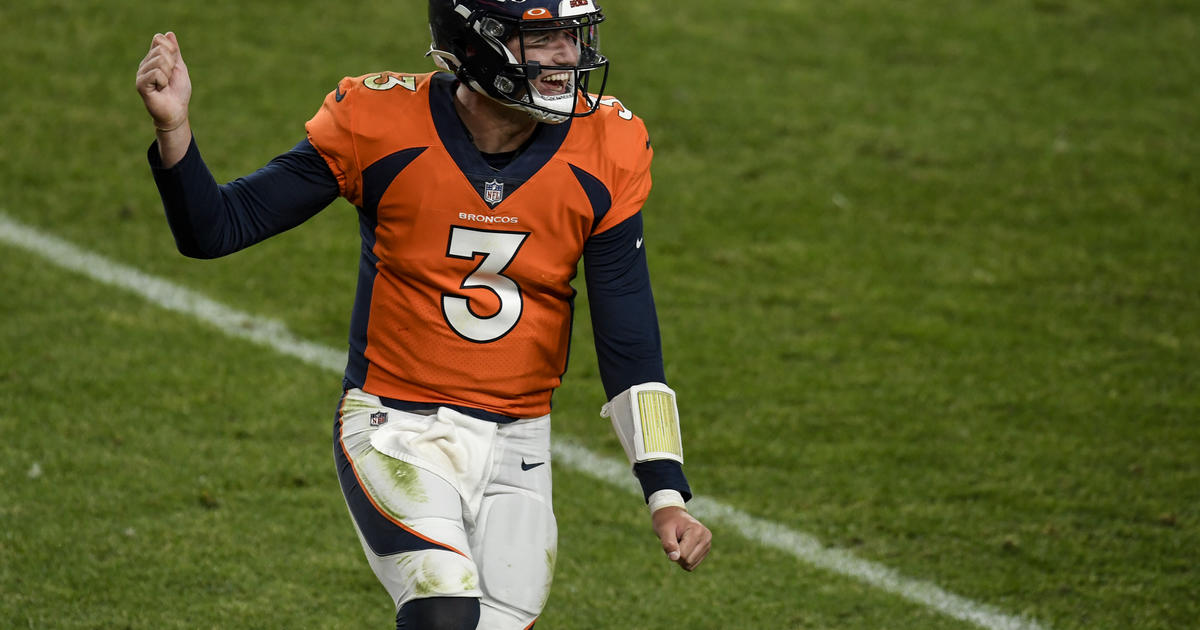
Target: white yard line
(275,335)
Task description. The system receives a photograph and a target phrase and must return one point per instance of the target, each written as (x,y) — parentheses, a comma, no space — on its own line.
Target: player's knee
(439,613)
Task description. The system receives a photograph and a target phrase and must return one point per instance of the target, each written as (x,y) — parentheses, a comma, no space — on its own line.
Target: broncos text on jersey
(464,294)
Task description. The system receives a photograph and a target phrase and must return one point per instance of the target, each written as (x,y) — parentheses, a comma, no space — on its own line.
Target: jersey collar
(545,143)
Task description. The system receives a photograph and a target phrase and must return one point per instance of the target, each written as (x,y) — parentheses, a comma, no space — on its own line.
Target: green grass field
(927,273)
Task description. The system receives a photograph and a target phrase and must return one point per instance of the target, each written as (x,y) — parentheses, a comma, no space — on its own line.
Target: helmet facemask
(481,58)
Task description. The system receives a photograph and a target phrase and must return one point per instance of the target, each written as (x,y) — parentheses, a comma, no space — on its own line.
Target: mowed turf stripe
(275,335)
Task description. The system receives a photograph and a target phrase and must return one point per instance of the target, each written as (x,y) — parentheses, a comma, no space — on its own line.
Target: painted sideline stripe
(275,335)
(261,330)
(803,546)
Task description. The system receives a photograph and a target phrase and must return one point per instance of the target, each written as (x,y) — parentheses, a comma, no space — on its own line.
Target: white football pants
(447,505)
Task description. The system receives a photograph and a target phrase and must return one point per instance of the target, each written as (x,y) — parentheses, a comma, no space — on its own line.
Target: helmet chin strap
(540,115)
(450,62)
(444,60)
(555,115)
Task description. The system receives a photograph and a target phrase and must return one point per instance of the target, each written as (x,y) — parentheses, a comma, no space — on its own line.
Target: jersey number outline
(386,81)
(498,249)
(621,110)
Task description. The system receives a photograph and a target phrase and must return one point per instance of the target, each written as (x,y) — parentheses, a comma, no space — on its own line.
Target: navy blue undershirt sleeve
(624,321)
(625,328)
(210,220)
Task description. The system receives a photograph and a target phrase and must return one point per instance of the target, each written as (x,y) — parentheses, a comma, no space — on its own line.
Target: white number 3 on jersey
(498,250)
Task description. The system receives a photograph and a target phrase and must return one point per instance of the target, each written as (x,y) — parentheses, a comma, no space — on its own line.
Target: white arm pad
(646,420)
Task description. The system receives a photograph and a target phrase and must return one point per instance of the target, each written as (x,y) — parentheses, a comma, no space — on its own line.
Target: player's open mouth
(554,84)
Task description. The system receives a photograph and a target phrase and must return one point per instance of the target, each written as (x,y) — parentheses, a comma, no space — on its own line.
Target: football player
(478,190)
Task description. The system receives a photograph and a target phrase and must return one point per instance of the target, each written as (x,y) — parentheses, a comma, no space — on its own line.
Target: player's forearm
(191,199)
(662,474)
(173,143)
(625,327)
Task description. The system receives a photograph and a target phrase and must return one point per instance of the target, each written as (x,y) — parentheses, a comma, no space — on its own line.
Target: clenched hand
(685,540)
(166,89)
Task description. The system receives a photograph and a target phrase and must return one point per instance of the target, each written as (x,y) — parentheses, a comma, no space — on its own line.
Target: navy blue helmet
(484,42)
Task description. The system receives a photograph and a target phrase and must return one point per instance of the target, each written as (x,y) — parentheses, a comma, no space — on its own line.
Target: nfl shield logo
(493,192)
(378,418)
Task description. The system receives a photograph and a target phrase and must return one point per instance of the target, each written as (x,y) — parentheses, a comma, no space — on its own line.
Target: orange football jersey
(464,293)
